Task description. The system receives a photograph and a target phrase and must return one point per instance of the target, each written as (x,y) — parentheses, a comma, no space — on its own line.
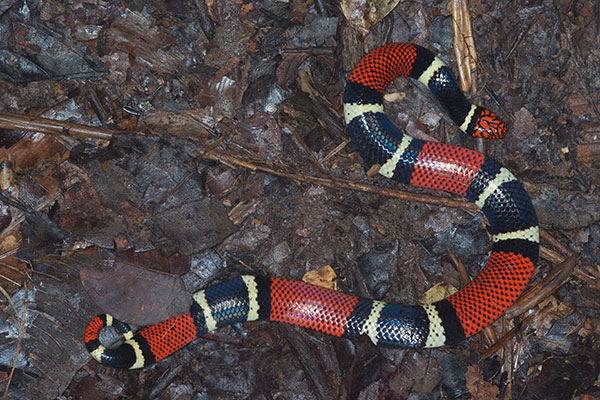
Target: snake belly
(445,167)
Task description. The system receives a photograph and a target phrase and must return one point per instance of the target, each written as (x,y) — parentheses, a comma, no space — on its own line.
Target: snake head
(488,125)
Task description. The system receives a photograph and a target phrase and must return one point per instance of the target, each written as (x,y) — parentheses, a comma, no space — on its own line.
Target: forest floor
(150,149)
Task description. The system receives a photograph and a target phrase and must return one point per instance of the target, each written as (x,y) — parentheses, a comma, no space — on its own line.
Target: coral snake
(445,167)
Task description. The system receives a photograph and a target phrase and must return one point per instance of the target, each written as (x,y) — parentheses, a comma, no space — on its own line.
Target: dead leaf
(437,292)
(363,15)
(479,388)
(136,295)
(324,277)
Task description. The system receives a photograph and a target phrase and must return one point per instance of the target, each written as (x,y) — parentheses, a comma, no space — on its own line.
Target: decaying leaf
(437,292)
(324,276)
(136,295)
(479,388)
(363,14)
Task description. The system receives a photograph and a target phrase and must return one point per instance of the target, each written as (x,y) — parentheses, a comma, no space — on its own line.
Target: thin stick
(53,127)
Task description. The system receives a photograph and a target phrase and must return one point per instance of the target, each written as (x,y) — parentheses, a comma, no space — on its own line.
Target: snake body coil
(398,156)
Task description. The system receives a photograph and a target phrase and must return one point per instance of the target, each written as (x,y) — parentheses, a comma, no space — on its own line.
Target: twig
(544,288)
(336,150)
(302,144)
(464,46)
(344,184)
(504,339)
(53,127)
(555,243)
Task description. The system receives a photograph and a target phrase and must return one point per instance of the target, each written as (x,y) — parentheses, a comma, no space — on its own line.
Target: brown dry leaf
(306,83)
(437,292)
(33,150)
(136,295)
(81,211)
(246,9)
(9,243)
(394,96)
(99,386)
(479,388)
(363,15)
(324,277)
